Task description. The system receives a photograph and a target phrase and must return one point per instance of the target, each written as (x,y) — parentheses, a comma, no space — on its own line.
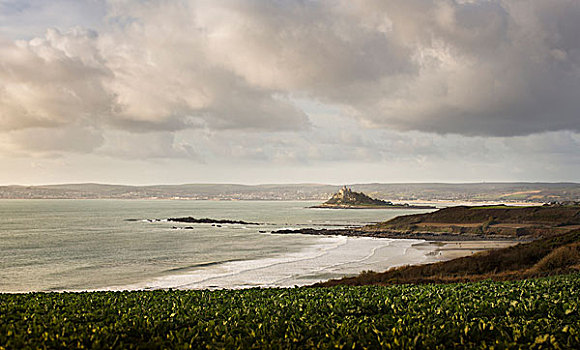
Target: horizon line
(290,183)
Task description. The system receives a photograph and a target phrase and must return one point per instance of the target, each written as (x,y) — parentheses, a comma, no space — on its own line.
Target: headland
(465,223)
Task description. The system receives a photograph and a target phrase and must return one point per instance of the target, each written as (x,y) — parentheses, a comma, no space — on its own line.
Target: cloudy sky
(255,91)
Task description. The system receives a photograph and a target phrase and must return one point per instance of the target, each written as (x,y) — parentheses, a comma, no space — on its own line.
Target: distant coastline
(517,192)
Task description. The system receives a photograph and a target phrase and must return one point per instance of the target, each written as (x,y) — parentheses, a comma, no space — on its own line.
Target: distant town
(475,192)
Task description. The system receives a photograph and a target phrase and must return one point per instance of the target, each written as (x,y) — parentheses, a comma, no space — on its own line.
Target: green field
(542,313)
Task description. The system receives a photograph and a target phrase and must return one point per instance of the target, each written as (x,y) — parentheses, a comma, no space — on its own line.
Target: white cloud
(143,146)
(473,68)
(52,82)
(164,78)
(45,142)
(228,74)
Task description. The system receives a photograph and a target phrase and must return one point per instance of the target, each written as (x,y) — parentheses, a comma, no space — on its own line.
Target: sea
(80,245)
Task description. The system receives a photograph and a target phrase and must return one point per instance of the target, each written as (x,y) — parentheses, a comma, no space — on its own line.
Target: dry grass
(561,258)
(543,257)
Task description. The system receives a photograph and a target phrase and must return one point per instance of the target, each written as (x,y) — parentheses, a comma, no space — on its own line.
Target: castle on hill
(347,197)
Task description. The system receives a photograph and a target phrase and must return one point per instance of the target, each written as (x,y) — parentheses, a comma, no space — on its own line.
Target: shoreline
(329,258)
(449,250)
(308,266)
(427,236)
(434,247)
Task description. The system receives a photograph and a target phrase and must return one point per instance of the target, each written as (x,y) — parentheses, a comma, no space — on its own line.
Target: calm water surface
(91,244)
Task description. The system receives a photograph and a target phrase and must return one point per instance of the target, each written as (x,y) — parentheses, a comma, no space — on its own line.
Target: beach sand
(449,250)
(334,257)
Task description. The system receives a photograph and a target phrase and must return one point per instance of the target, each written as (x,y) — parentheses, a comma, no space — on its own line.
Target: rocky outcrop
(193,220)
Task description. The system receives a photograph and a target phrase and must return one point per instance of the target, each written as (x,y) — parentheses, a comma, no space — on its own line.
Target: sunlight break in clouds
(205,80)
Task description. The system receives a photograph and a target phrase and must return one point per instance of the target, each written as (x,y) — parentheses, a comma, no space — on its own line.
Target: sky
(289,91)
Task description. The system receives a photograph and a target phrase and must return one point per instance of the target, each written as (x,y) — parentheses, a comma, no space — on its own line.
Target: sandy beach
(334,257)
(449,250)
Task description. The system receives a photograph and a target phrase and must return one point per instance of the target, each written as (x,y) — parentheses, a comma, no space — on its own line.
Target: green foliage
(542,313)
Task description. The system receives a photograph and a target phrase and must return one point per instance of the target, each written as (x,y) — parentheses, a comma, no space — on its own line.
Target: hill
(465,223)
(506,221)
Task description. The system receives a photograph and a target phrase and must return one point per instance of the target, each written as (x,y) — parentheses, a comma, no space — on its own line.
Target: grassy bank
(554,255)
(540,313)
(489,221)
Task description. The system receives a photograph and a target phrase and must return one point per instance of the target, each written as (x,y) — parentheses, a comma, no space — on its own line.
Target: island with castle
(346,198)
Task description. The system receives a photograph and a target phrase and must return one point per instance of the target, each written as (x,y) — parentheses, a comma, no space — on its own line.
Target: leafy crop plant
(538,313)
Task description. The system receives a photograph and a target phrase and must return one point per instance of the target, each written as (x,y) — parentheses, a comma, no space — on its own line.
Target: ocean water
(48,245)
